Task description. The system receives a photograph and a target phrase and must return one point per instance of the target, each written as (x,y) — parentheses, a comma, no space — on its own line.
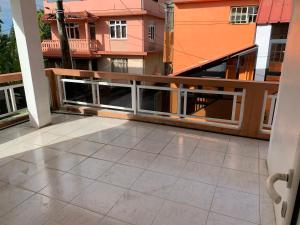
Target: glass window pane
(79,92)
(112,32)
(115,96)
(124,32)
(118,31)
(20,98)
(3,108)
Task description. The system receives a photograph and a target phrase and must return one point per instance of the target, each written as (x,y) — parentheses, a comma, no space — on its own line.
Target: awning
(214,62)
(274,11)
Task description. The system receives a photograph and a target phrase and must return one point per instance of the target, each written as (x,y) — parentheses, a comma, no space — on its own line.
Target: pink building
(115,35)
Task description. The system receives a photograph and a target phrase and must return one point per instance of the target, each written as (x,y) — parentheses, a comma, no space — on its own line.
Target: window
(118,29)
(119,65)
(243,15)
(72,30)
(92,30)
(277,52)
(151,32)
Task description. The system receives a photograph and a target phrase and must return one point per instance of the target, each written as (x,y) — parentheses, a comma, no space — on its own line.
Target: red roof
(274,11)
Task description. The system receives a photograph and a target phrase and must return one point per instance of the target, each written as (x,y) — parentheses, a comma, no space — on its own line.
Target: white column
(262,39)
(31,60)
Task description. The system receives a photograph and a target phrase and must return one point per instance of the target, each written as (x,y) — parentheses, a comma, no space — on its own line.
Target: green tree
(45,29)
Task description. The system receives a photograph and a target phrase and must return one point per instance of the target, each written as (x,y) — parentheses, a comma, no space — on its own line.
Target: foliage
(45,29)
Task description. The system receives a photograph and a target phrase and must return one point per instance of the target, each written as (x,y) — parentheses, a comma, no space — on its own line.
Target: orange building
(208,30)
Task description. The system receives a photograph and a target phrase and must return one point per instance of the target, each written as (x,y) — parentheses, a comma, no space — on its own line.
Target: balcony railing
(236,107)
(77,46)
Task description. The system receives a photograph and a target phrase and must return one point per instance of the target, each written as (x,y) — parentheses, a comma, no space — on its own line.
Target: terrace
(95,148)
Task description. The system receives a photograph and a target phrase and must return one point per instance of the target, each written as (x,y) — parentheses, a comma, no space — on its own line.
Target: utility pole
(63,38)
(169,36)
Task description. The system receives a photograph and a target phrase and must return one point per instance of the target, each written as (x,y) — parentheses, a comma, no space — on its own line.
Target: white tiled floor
(100,171)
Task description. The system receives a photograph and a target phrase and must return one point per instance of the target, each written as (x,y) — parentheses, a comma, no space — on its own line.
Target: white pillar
(262,39)
(31,61)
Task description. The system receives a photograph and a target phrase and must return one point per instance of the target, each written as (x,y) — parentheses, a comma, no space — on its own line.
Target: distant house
(114,35)
(215,38)
(271,36)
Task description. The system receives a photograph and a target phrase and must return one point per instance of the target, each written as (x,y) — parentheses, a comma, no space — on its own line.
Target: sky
(5,13)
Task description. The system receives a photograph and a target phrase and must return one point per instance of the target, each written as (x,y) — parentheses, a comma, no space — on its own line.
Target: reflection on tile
(11,197)
(39,156)
(91,168)
(149,145)
(183,151)
(37,210)
(65,161)
(72,215)
(208,156)
(263,169)
(136,208)
(66,187)
(121,175)
(126,141)
(236,204)
(99,197)
(177,214)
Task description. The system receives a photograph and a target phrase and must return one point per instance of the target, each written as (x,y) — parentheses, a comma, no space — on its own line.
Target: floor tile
(99,197)
(243,149)
(5,160)
(72,215)
(11,197)
(149,145)
(64,143)
(208,156)
(217,219)
(139,131)
(121,175)
(39,155)
(110,221)
(168,165)
(161,135)
(263,169)
(177,214)
(138,159)
(183,151)
(91,168)
(154,184)
(105,136)
(267,216)
(184,140)
(42,139)
(85,148)
(236,204)
(37,210)
(66,187)
(192,193)
(263,147)
(213,144)
(241,181)
(65,162)
(40,180)
(16,171)
(136,208)
(201,172)
(242,163)
(126,141)
(110,153)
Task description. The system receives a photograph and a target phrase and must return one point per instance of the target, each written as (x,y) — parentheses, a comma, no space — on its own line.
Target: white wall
(262,39)
(286,128)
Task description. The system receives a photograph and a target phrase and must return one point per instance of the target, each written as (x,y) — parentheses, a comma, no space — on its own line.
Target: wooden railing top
(168,79)
(267,85)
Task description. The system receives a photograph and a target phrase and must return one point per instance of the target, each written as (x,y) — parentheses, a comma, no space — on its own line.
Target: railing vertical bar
(64,91)
(272,108)
(263,110)
(179,99)
(13,99)
(98,94)
(94,94)
(133,97)
(60,94)
(242,108)
(138,99)
(7,101)
(234,108)
(185,103)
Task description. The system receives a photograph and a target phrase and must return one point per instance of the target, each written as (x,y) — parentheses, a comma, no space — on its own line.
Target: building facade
(271,37)
(114,36)
(206,30)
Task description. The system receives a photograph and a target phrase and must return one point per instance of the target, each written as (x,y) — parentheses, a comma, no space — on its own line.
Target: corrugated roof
(274,11)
